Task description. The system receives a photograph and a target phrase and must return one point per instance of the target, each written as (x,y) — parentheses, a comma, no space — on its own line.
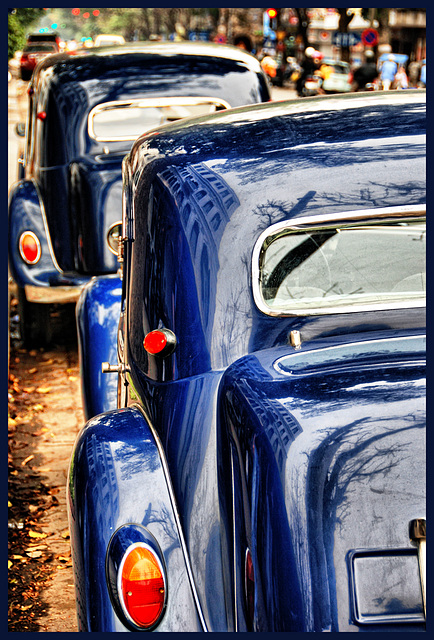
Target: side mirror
(20,129)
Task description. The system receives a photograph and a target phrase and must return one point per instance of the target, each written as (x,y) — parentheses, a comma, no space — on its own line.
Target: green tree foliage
(20,22)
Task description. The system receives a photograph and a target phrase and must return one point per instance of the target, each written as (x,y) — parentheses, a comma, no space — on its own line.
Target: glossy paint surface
(307,460)
(218,183)
(98,310)
(115,457)
(27,214)
(78,178)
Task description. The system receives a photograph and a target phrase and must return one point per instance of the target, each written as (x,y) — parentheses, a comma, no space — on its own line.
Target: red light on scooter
(41,115)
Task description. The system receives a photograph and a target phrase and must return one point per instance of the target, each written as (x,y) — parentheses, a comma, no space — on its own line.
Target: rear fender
(118,481)
(26,213)
(98,311)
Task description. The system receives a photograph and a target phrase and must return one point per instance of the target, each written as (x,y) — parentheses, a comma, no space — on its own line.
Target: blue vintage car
(84,112)
(262,467)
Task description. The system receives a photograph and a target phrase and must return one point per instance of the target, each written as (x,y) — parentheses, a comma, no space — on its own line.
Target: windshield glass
(127,120)
(343,267)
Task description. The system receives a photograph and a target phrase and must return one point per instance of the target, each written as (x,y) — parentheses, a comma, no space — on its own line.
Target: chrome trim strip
(336,348)
(180,101)
(323,221)
(175,513)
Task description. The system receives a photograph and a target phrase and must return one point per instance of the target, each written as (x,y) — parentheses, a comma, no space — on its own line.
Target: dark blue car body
(69,192)
(276,456)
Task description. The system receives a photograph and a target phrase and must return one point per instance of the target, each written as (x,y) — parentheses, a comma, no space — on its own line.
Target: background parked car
(84,112)
(34,53)
(264,469)
(336,76)
(108,39)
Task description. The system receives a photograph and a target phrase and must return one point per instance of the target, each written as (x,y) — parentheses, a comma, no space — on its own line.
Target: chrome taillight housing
(29,247)
(136,577)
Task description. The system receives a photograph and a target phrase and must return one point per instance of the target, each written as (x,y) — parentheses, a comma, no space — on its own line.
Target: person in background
(243,42)
(308,67)
(388,72)
(413,73)
(401,80)
(367,73)
(422,78)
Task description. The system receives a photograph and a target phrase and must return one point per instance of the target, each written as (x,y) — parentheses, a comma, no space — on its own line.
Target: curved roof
(119,55)
(331,153)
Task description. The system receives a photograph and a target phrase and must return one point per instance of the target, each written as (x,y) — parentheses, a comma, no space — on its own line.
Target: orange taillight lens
(30,247)
(142,586)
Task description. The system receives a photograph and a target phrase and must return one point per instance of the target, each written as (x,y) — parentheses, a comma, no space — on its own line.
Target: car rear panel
(328,458)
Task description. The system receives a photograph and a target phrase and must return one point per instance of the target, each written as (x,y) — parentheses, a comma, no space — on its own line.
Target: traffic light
(272,13)
(75,12)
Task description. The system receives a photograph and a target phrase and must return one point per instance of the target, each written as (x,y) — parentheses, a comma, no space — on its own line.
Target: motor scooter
(311,86)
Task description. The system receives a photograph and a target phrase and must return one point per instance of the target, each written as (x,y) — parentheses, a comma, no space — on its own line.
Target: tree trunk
(344,21)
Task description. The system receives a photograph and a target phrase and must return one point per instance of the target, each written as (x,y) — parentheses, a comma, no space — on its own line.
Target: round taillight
(30,247)
(42,115)
(142,589)
(161,342)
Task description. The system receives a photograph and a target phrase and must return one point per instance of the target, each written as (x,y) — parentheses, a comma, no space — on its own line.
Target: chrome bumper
(52,295)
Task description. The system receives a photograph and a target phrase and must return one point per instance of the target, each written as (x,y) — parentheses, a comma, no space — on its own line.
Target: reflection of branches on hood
(232,330)
(344,457)
(270,212)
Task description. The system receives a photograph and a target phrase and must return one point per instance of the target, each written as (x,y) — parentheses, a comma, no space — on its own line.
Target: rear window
(112,121)
(342,266)
(46,47)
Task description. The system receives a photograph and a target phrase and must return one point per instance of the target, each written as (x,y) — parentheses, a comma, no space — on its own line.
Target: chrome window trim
(403,213)
(178,101)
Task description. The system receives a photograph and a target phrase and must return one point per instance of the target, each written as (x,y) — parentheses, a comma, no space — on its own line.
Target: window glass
(128,120)
(342,267)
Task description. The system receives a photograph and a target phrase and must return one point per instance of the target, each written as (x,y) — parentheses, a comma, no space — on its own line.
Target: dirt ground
(45,415)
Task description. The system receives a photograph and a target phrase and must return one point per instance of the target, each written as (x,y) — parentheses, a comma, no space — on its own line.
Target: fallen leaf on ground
(73,378)
(26,460)
(41,431)
(37,407)
(43,389)
(11,422)
(65,534)
(32,370)
(34,554)
(37,547)
(36,534)
(29,389)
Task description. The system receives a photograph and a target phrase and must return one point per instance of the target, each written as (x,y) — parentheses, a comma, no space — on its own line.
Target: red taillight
(155,342)
(30,247)
(41,115)
(249,577)
(142,587)
(160,342)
